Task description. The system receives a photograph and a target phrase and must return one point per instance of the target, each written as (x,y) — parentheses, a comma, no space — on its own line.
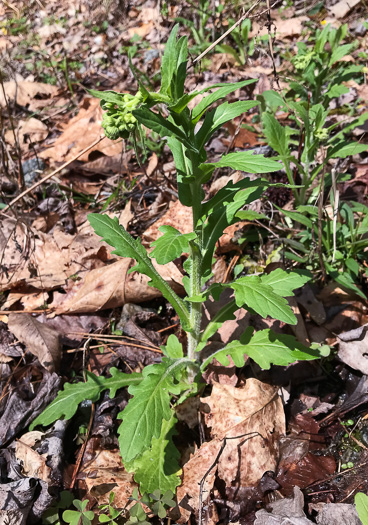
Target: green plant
(361,503)
(110,513)
(319,70)
(343,241)
(52,515)
(79,516)
(148,426)
(157,502)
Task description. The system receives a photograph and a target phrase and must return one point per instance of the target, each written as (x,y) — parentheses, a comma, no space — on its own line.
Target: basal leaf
(125,246)
(250,215)
(246,161)
(158,467)
(171,245)
(266,348)
(143,415)
(221,92)
(251,292)
(217,117)
(66,402)
(283,283)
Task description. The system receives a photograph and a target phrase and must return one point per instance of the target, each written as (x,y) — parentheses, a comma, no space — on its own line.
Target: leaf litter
(53,265)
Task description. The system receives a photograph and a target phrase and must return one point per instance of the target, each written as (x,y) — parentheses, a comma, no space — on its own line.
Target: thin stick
(47,177)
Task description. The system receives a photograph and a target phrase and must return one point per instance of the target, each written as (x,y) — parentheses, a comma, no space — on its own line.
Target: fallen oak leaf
(41,340)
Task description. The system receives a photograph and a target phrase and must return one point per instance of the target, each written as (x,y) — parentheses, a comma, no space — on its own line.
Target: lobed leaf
(171,245)
(283,283)
(266,348)
(251,292)
(150,404)
(66,402)
(125,246)
(158,467)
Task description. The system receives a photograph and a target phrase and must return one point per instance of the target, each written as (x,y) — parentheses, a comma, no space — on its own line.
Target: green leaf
(275,134)
(340,52)
(261,298)
(361,503)
(108,96)
(182,103)
(143,415)
(171,245)
(283,283)
(169,62)
(222,92)
(345,280)
(159,124)
(246,161)
(125,246)
(343,150)
(218,116)
(297,217)
(184,170)
(337,90)
(220,213)
(266,348)
(67,401)
(173,348)
(226,313)
(158,467)
(250,215)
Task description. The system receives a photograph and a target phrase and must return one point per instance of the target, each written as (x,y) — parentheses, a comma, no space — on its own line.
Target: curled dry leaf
(27,132)
(33,464)
(255,412)
(354,352)
(41,340)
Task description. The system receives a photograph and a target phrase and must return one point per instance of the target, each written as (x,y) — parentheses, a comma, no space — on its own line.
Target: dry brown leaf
(252,408)
(79,132)
(106,473)
(25,93)
(39,339)
(284,28)
(46,261)
(177,216)
(143,30)
(33,464)
(354,353)
(342,8)
(193,472)
(28,131)
(109,287)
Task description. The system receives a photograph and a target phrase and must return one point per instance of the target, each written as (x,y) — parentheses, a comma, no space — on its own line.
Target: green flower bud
(321,134)
(111,132)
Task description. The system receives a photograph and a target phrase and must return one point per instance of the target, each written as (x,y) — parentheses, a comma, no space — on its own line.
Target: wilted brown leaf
(252,408)
(39,339)
(33,464)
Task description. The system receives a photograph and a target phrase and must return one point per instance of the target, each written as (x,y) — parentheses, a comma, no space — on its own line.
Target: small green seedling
(81,516)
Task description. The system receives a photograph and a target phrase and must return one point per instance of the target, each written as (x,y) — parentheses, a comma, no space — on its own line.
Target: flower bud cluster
(119,121)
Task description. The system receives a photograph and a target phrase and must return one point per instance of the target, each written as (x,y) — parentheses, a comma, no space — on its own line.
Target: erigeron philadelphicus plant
(148,420)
